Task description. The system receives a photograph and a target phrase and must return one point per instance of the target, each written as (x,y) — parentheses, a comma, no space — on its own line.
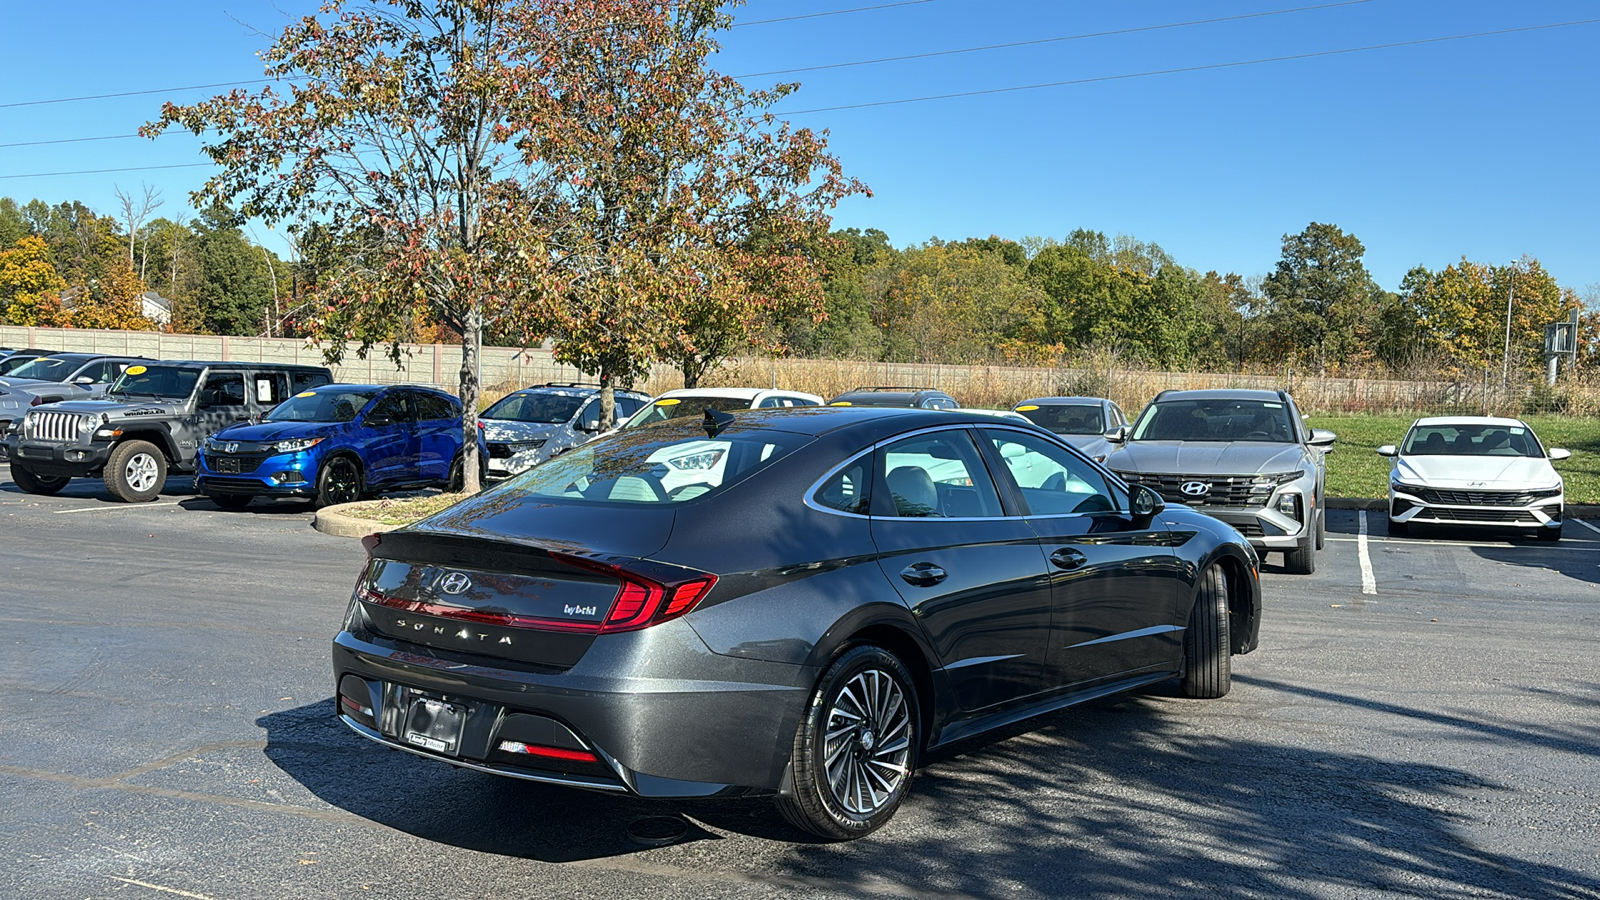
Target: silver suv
(1245,457)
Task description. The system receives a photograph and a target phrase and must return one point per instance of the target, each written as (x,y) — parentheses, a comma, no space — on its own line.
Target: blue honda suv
(335,444)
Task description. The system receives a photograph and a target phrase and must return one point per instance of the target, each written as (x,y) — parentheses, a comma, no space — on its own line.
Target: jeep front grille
(54,427)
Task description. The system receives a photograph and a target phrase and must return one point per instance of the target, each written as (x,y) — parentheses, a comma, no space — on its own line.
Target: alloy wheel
(867,745)
(141,472)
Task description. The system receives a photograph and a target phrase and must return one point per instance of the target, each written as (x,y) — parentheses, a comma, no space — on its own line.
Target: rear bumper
(728,732)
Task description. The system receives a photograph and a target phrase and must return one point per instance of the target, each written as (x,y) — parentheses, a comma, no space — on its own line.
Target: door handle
(923,574)
(1067,558)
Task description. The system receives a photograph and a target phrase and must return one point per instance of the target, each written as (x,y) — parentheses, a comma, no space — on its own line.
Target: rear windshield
(668,408)
(1216,420)
(167,382)
(670,464)
(548,409)
(331,405)
(1076,419)
(1471,440)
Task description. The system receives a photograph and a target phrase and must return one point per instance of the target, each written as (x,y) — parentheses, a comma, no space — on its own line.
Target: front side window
(1052,480)
(331,405)
(164,382)
(1472,440)
(1216,420)
(223,389)
(939,475)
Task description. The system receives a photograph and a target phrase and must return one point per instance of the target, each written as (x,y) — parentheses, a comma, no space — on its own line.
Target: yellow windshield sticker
(840,403)
(137,370)
(306,394)
(670,401)
(1028,408)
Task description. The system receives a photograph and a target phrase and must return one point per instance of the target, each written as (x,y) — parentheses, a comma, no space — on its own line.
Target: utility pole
(1505,355)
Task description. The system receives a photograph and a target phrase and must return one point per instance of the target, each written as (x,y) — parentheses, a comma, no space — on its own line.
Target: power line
(1224,65)
(103,137)
(837,12)
(1052,40)
(105,171)
(192,87)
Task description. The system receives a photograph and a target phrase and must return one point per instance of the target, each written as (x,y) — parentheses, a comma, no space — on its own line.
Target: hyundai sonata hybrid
(1478,471)
(798,603)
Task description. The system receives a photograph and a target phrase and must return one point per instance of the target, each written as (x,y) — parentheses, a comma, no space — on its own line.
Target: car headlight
(1546,492)
(696,461)
(87,424)
(1405,488)
(296,445)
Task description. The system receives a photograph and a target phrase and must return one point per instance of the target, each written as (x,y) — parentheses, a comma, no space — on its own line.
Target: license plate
(227,466)
(435,725)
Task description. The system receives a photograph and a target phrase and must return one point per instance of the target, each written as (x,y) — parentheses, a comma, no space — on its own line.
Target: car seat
(913,492)
(1433,445)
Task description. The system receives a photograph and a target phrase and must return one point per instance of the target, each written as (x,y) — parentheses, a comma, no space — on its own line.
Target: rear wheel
(340,482)
(231,501)
(1207,644)
(34,483)
(856,748)
(1302,560)
(136,472)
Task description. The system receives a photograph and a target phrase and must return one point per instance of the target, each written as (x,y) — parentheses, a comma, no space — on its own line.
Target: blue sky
(1483,147)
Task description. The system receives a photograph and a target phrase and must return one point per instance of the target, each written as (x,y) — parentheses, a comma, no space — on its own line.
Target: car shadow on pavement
(1119,797)
(260,506)
(1578,566)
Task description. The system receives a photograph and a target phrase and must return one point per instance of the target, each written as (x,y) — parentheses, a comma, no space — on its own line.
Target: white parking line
(1587,525)
(1369,584)
(68,512)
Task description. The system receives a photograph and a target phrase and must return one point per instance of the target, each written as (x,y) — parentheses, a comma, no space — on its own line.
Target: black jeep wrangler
(153,421)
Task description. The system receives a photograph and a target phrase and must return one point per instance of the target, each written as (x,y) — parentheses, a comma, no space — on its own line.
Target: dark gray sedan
(797,603)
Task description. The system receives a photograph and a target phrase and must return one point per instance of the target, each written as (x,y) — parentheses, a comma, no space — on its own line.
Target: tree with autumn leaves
(566,169)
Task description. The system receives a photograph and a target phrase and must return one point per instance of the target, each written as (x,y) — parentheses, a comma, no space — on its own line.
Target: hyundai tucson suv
(1243,456)
(336,444)
(527,427)
(841,592)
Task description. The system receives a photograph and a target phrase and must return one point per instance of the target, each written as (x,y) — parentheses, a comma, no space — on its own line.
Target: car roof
(737,393)
(238,364)
(872,422)
(580,390)
(1065,401)
(1221,394)
(1470,420)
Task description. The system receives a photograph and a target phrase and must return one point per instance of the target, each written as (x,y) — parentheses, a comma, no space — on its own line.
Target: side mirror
(1321,437)
(1388,450)
(1118,434)
(83,379)
(1146,502)
(1558,453)
(378,420)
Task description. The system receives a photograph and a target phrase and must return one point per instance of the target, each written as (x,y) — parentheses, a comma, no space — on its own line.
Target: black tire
(136,471)
(1207,642)
(33,483)
(1399,529)
(458,476)
(232,501)
(885,741)
(339,482)
(1302,560)
(1550,534)
(1322,526)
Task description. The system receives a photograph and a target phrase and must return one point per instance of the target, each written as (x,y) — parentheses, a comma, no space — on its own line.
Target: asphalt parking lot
(1420,721)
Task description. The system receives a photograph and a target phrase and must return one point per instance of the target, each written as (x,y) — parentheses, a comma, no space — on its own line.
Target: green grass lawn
(1355,470)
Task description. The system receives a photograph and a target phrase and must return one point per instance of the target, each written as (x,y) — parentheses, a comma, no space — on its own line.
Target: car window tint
(393,405)
(627,406)
(432,408)
(223,389)
(1053,481)
(1078,418)
(331,405)
(850,489)
(939,475)
(271,388)
(1471,439)
(1216,420)
(303,380)
(770,403)
(589,417)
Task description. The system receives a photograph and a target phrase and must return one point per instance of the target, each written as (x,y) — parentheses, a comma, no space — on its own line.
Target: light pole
(1505,355)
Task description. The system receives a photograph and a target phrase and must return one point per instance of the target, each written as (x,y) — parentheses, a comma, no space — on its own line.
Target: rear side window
(303,380)
(664,465)
(850,489)
(223,389)
(432,408)
(939,475)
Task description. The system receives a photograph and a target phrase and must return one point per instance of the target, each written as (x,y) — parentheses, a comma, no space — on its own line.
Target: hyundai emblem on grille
(1195,488)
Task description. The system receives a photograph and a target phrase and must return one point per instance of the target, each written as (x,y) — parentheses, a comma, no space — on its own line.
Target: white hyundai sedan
(1474,470)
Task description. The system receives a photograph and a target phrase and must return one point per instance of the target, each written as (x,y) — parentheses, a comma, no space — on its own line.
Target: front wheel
(136,472)
(1322,526)
(1207,642)
(1302,560)
(856,748)
(34,483)
(340,482)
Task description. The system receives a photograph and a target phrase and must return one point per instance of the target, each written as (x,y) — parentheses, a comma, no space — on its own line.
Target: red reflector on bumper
(548,752)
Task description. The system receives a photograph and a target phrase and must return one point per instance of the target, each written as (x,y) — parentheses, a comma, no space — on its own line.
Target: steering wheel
(1258,435)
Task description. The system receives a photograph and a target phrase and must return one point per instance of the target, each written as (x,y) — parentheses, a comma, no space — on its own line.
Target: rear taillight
(642,601)
(548,752)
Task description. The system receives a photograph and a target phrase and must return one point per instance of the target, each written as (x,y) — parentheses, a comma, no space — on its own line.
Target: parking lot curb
(335,520)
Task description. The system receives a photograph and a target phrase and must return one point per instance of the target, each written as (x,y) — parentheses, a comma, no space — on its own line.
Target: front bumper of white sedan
(1523,509)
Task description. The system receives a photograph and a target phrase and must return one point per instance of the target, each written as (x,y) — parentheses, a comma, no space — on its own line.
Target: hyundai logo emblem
(455,583)
(1195,488)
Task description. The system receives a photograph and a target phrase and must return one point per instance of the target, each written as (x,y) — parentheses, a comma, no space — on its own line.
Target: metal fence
(506,368)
